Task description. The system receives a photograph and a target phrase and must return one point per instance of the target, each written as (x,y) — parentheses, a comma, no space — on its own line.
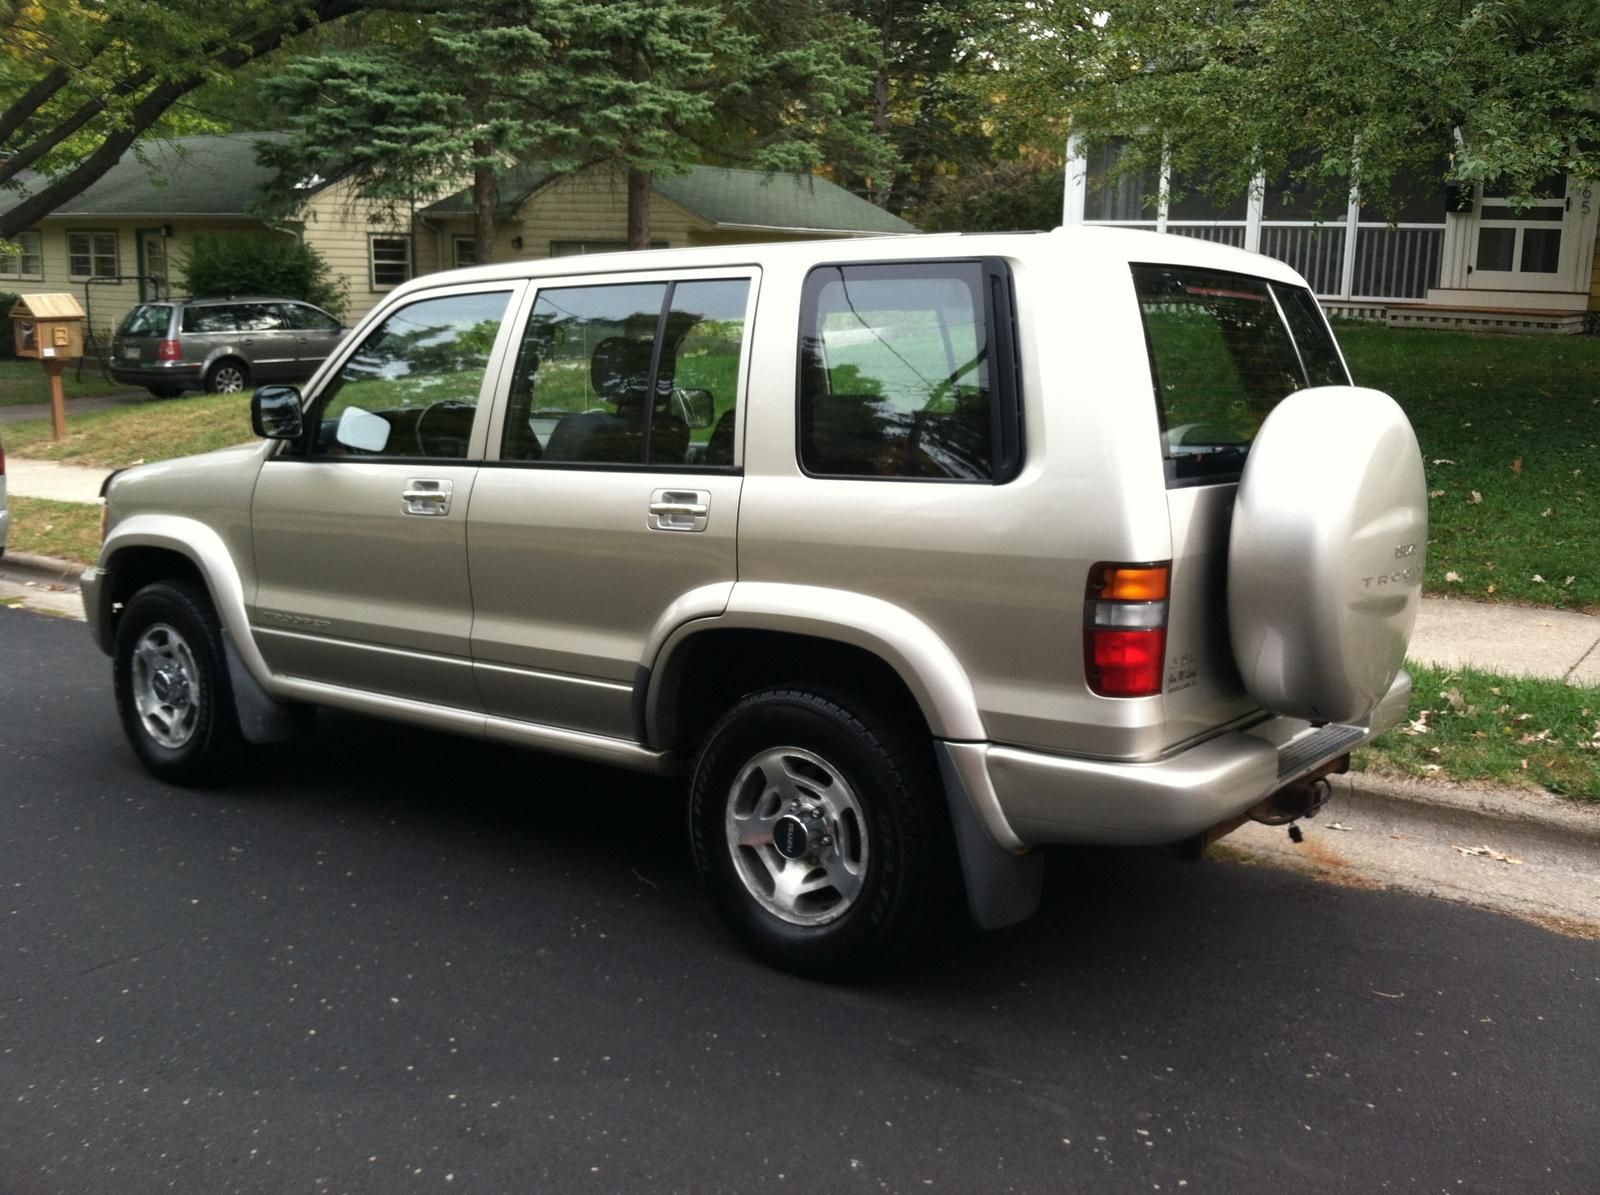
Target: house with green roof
(544,213)
(119,241)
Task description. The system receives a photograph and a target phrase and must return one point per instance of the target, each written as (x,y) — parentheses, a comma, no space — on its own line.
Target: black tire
(228,376)
(887,766)
(203,716)
(164,391)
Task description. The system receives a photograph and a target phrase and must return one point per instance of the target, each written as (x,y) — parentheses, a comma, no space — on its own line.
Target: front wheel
(819,827)
(174,696)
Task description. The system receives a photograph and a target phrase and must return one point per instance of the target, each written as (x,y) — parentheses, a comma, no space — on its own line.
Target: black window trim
(998,287)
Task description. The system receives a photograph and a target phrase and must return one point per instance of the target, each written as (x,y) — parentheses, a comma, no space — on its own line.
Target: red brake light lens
(1125,663)
(168,350)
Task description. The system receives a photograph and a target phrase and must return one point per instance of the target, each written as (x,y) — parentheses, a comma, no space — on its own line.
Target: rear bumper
(1026,798)
(160,373)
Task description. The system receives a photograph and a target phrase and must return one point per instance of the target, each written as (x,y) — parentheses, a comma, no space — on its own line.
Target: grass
(24,382)
(65,530)
(1510,435)
(1467,725)
(152,431)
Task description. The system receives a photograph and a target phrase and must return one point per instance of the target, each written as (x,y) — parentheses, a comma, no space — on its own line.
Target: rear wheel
(228,377)
(171,678)
(819,827)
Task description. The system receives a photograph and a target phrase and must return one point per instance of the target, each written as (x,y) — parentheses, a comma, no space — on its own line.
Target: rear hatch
(140,334)
(1224,350)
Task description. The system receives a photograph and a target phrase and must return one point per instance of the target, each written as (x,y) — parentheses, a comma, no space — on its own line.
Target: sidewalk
(1450,632)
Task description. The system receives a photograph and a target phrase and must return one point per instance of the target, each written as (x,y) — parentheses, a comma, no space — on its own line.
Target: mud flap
(1002,888)
(262,719)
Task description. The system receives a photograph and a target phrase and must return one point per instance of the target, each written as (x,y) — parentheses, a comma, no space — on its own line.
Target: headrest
(619,371)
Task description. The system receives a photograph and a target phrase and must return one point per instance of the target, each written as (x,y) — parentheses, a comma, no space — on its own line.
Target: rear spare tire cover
(1325,553)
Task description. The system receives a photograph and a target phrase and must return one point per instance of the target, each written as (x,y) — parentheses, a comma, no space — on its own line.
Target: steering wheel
(446,406)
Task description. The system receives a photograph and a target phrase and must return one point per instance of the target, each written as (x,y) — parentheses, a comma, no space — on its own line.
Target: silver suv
(221,345)
(913,555)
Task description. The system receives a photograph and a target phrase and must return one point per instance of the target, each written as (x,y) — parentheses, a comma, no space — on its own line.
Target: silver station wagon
(912,555)
(221,345)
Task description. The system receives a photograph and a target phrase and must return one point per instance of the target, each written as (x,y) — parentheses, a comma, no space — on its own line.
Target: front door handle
(680,510)
(426,496)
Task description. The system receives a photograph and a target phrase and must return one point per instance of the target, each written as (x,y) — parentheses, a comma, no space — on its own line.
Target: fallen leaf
(1475,499)
(1487,852)
(1538,579)
(1443,460)
(1516,465)
(1452,576)
(1389,995)
(1337,826)
(1490,589)
(1547,512)
(1435,493)
(1569,581)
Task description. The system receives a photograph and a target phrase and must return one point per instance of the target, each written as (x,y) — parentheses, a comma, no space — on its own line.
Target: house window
(390,260)
(92,255)
(465,251)
(27,261)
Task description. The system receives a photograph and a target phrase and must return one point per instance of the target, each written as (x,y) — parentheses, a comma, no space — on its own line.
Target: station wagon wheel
(820,829)
(174,696)
(228,377)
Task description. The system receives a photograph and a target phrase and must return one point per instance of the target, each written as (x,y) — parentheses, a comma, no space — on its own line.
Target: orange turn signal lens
(1124,583)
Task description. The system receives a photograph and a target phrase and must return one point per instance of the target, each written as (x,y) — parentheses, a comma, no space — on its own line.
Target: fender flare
(930,670)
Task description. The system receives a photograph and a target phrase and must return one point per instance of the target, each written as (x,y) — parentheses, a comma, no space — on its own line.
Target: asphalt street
(390,961)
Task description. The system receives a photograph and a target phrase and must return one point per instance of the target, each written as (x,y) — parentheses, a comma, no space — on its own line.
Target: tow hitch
(1302,798)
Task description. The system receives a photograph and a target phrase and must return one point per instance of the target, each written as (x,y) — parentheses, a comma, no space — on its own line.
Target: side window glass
(1311,337)
(411,389)
(260,317)
(698,383)
(210,319)
(896,372)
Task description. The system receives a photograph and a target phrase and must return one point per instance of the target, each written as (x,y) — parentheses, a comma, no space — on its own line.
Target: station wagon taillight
(1125,628)
(168,350)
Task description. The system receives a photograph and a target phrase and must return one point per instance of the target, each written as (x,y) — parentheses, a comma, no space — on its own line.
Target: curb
(44,566)
(1491,808)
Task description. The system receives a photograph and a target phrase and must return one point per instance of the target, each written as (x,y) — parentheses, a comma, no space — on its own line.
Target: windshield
(1225,349)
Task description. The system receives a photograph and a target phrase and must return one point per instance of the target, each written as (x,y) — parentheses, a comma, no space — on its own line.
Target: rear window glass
(148,319)
(1225,349)
(897,372)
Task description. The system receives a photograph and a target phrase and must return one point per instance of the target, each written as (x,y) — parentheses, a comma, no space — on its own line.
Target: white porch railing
(1401,262)
(1220,232)
(1316,251)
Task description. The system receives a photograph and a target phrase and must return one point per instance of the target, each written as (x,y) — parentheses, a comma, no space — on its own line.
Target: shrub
(245,263)
(8,342)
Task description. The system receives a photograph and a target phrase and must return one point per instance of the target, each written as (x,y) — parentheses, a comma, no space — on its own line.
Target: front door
(360,532)
(1530,248)
(614,506)
(152,245)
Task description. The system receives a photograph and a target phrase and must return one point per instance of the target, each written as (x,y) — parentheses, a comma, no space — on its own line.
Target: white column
(1074,194)
(1252,213)
(1352,226)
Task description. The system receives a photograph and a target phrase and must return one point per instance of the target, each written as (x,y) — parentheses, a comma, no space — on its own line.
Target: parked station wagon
(221,345)
(914,556)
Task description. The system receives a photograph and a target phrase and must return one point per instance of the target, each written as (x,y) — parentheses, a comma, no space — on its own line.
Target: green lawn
(151,431)
(1510,434)
(65,530)
(1475,726)
(24,382)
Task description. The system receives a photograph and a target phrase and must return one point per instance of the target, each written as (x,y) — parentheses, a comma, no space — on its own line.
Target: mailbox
(48,327)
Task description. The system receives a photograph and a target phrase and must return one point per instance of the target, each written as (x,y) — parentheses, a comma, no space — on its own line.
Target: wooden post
(54,367)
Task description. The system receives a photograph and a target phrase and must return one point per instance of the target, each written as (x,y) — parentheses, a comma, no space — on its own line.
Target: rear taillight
(168,350)
(1125,629)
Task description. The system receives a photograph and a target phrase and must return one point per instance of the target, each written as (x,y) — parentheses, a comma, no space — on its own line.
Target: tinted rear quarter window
(210,319)
(1223,355)
(905,374)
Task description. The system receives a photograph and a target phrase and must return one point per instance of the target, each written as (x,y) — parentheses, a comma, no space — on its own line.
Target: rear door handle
(426,496)
(680,510)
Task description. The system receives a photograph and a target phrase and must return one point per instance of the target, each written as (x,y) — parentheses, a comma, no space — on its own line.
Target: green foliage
(1293,87)
(1011,196)
(243,263)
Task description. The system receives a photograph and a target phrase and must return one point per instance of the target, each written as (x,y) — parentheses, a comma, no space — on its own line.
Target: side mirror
(697,408)
(275,413)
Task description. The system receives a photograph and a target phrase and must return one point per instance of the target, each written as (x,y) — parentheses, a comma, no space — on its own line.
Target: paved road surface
(392,962)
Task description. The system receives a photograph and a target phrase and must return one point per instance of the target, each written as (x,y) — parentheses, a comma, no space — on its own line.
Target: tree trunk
(880,98)
(485,199)
(638,208)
